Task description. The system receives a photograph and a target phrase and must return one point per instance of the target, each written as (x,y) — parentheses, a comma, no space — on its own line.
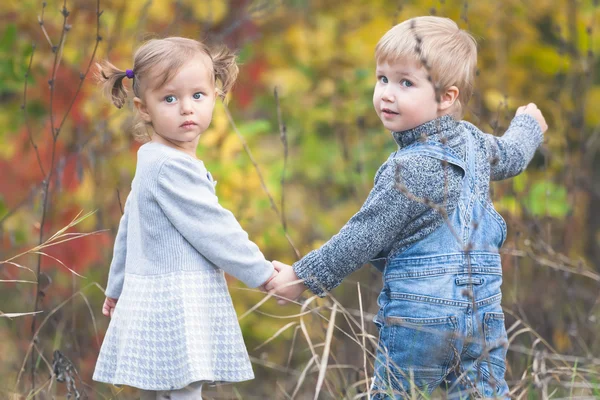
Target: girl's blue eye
(406,83)
(198,96)
(383,79)
(170,99)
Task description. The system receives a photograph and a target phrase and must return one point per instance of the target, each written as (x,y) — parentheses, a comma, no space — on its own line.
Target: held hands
(285,283)
(109,306)
(535,112)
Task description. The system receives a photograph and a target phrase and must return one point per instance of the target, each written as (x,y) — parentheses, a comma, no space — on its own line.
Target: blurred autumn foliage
(317,143)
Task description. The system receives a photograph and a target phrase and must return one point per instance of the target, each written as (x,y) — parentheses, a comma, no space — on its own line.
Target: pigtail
(111,79)
(225,69)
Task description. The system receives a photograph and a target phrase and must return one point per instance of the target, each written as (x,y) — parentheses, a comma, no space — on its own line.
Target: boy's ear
(142,109)
(448,97)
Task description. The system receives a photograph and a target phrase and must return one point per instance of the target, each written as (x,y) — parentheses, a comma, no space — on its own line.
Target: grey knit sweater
(390,220)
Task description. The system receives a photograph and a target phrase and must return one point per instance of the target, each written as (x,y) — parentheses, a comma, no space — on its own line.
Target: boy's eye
(198,95)
(170,99)
(383,79)
(406,83)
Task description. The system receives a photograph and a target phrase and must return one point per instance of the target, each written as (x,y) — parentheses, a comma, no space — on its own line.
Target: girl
(173,324)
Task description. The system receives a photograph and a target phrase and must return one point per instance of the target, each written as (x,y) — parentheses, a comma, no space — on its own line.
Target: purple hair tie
(129,73)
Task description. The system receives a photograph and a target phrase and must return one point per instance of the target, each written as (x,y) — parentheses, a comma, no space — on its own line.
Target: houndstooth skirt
(170,330)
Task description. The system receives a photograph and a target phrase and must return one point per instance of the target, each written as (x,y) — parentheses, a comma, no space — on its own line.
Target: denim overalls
(440,320)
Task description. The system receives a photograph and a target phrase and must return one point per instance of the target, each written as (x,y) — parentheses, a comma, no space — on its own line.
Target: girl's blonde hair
(447,52)
(156,62)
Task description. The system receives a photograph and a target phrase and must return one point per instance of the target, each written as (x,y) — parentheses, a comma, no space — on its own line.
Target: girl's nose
(186,107)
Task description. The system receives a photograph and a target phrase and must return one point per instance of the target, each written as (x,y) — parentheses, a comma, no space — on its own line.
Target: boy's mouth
(187,124)
(388,112)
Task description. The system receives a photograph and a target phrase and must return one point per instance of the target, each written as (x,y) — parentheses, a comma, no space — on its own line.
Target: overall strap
(471,157)
(445,153)
(438,151)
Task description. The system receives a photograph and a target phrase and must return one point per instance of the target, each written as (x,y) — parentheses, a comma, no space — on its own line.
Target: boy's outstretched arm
(511,153)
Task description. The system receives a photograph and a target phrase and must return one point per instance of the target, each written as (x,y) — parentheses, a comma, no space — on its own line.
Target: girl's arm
(511,153)
(187,198)
(117,266)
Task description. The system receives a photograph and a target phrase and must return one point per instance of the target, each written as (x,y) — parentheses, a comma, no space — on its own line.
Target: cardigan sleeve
(117,265)
(187,198)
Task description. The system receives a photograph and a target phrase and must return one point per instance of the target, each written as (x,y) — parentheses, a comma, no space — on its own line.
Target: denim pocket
(420,349)
(494,364)
(495,332)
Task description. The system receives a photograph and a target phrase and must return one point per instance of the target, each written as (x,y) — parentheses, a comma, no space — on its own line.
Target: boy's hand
(286,284)
(535,112)
(109,306)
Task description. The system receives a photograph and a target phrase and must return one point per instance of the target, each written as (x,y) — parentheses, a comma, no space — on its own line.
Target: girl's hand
(535,112)
(263,287)
(109,306)
(286,284)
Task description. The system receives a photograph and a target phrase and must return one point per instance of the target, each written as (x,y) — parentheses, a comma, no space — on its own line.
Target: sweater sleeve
(380,220)
(187,198)
(511,153)
(116,274)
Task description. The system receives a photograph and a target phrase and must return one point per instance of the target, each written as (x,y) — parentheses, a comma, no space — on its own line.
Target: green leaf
(3,208)
(362,73)
(520,183)
(8,39)
(546,198)
(245,54)
(20,237)
(255,127)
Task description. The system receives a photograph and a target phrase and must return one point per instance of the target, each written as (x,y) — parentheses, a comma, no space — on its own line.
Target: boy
(428,223)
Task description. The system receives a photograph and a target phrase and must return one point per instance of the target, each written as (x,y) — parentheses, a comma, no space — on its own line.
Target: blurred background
(302,121)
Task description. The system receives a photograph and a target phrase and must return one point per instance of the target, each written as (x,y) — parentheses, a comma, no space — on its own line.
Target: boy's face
(404,98)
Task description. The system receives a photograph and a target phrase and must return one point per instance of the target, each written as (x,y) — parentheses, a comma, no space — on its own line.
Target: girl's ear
(448,97)
(142,109)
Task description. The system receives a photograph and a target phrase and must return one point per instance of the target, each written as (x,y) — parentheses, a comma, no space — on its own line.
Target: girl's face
(182,108)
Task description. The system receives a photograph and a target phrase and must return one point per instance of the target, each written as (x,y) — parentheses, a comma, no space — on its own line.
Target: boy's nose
(387,95)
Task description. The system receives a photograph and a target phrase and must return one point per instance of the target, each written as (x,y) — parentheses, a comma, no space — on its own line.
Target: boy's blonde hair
(447,52)
(156,62)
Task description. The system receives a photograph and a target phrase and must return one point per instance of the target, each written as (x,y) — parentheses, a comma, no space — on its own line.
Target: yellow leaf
(8,147)
(561,341)
(495,99)
(359,44)
(298,39)
(230,148)
(213,11)
(219,128)
(508,205)
(289,81)
(324,40)
(85,191)
(161,11)
(326,87)
(591,113)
